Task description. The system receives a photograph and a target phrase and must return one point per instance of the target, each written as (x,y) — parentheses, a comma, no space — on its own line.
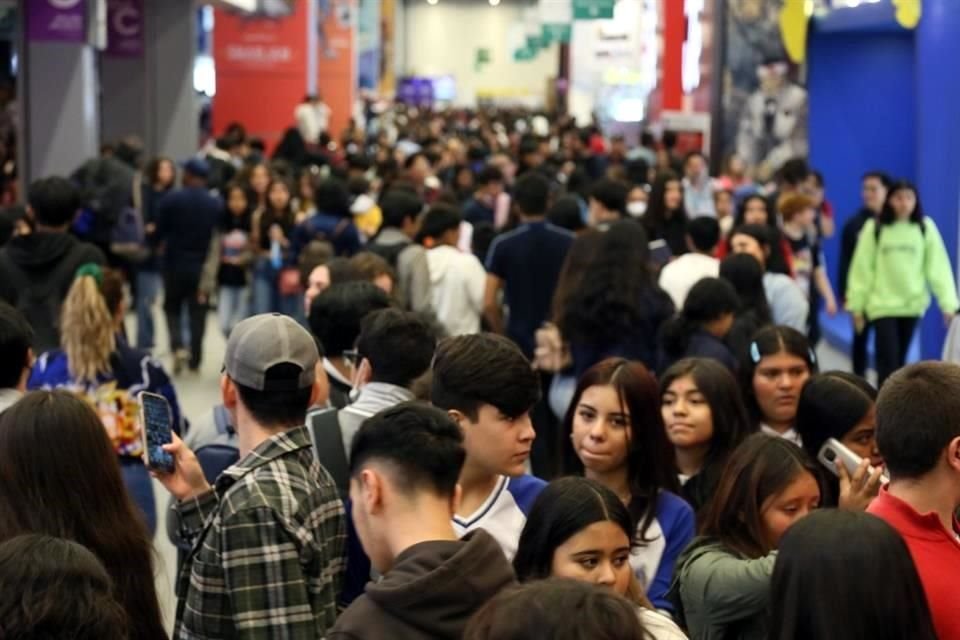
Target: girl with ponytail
(96,363)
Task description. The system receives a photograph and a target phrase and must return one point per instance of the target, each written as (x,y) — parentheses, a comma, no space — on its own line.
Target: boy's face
(496,443)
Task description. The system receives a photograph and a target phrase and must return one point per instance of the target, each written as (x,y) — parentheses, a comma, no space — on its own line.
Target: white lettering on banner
(66,23)
(256,53)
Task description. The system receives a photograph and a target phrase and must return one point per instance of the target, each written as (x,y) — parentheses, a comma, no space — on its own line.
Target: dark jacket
(36,272)
(848,244)
(430,593)
(187,220)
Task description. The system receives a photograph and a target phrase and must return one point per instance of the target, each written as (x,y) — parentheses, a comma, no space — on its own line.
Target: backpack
(327,438)
(40,302)
(128,237)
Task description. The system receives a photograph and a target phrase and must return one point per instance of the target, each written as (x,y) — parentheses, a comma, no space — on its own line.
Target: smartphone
(156,426)
(660,252)
(833,451)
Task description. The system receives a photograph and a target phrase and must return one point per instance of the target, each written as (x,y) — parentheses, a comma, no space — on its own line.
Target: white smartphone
(834,451)
(156,426)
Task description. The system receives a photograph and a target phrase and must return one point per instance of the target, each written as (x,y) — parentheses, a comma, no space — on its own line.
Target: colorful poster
(261,63)
(57,20)
(388,72)
(124,29)
(368,44)
(337,64)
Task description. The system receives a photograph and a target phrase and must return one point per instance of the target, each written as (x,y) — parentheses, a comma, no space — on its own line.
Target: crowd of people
(487,375)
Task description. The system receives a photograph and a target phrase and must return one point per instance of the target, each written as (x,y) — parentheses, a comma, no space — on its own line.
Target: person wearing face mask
(678,276)
(638,201)
(578,529)
(778,363)
(722,583)
(616,437)
(843,406)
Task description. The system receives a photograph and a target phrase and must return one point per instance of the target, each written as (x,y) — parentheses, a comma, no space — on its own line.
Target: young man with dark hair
(16,355)
(37,269)
(335,319)
(268,555)
(608,202)
(488,387)
(918,434)
(788,303)
(395,244)
(873,190)
(679,276)
(404,467)
(697,186)
(526,263)
(482,207)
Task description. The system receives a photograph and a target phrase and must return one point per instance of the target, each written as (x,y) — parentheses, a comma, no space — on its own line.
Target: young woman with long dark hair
(746,275)
(899,258)
(756,210)
(272,227)
(777,364)
(722,581)
(865,567)
(616,437)
(705,421)
(579,529)
(617,307)
(159,179)
(59,477)
(666,218)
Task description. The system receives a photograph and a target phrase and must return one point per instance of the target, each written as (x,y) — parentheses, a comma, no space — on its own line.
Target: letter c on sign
(125,21)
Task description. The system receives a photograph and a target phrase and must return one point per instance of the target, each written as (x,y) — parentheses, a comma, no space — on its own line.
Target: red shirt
(936,553)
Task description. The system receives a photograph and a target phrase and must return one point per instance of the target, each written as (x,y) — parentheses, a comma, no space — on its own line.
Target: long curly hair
(608,303)
(88,329)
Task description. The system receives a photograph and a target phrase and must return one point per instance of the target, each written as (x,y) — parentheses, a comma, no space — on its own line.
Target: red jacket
(936,553)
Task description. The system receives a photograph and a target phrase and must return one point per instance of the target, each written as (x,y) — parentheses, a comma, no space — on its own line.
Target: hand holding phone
(859,482)
(156,426)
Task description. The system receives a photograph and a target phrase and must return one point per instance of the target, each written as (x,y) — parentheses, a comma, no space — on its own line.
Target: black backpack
(389,252)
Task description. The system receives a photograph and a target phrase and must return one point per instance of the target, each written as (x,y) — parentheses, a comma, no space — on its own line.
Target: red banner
(337,60)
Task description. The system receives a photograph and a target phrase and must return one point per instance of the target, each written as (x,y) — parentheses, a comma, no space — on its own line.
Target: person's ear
(228,392)
(458,417)
(371,488)
(953,454)
(364,373)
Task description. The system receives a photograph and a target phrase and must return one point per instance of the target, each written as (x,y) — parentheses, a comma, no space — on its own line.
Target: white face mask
(637,209)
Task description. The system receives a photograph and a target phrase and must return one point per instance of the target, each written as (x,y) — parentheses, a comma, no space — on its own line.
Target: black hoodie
(430,593)
(36,272)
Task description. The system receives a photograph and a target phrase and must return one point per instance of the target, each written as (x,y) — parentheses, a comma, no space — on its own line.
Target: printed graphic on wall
(57,20)
(764,105)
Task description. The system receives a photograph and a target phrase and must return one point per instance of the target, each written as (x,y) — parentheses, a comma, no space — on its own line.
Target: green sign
(555,33)
(482,58)
(593,9)
(535,43)
(524,54)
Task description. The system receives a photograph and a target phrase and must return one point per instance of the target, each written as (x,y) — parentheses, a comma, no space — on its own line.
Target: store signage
(593,9)
(556,33)
(57,20)
(124,28)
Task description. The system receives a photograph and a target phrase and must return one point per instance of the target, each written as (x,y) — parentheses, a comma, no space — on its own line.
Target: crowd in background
(467,350)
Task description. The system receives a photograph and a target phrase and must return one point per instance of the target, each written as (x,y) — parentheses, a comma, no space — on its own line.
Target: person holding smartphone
(268,555)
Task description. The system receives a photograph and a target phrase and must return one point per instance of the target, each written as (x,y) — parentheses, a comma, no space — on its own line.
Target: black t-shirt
(235,240)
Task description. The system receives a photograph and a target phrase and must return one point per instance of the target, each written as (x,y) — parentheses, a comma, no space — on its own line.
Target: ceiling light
(494,3)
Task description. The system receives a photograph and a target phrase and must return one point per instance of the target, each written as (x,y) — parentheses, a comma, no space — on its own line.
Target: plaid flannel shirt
(268,553)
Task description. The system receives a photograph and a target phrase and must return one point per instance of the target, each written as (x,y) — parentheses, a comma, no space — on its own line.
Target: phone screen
(157,419)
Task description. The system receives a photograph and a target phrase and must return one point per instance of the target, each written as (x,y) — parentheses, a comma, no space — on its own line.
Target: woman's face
(279,196)
(686,414)
(306,187)
(237,202)
(755,212)
(601,429)
(862,439)
(166,174)
(743,243)
(598,554)
(673,195)
(777,382)
(259,179)
(903,202)
(783,510)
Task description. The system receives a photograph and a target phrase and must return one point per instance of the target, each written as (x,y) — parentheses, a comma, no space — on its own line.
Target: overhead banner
(124,29)
(337,62)
(261,63)
(56,20)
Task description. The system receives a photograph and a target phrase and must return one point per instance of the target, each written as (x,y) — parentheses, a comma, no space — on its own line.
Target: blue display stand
(882,97)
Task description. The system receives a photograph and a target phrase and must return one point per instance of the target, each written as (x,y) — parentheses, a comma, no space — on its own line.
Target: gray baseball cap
(264,341)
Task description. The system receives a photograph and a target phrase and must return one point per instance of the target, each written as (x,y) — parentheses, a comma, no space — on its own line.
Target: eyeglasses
(351,357)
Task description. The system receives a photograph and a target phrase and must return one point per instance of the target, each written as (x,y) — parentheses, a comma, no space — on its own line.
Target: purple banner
(124,28)
(57,20)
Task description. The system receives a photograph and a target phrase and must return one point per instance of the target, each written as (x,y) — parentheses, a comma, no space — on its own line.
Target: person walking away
(457,279)
(188,218)
(898,257)
(161,174)
(37,269)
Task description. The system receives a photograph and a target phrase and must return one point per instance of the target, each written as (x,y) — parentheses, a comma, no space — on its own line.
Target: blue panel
(938,135)
(862,117)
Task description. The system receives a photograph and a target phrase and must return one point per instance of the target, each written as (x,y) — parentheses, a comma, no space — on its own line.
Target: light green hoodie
(893,277)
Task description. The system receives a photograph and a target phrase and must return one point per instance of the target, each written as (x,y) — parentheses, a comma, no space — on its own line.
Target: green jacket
(722,595)
(892,276)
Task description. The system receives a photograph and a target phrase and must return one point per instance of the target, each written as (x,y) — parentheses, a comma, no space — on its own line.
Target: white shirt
(504,513)
(679,276)
(790,434)
(659,626)
(312,120)
(8,397)
(458,282)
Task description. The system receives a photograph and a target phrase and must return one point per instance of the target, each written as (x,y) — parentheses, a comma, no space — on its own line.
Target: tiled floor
(199,392)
